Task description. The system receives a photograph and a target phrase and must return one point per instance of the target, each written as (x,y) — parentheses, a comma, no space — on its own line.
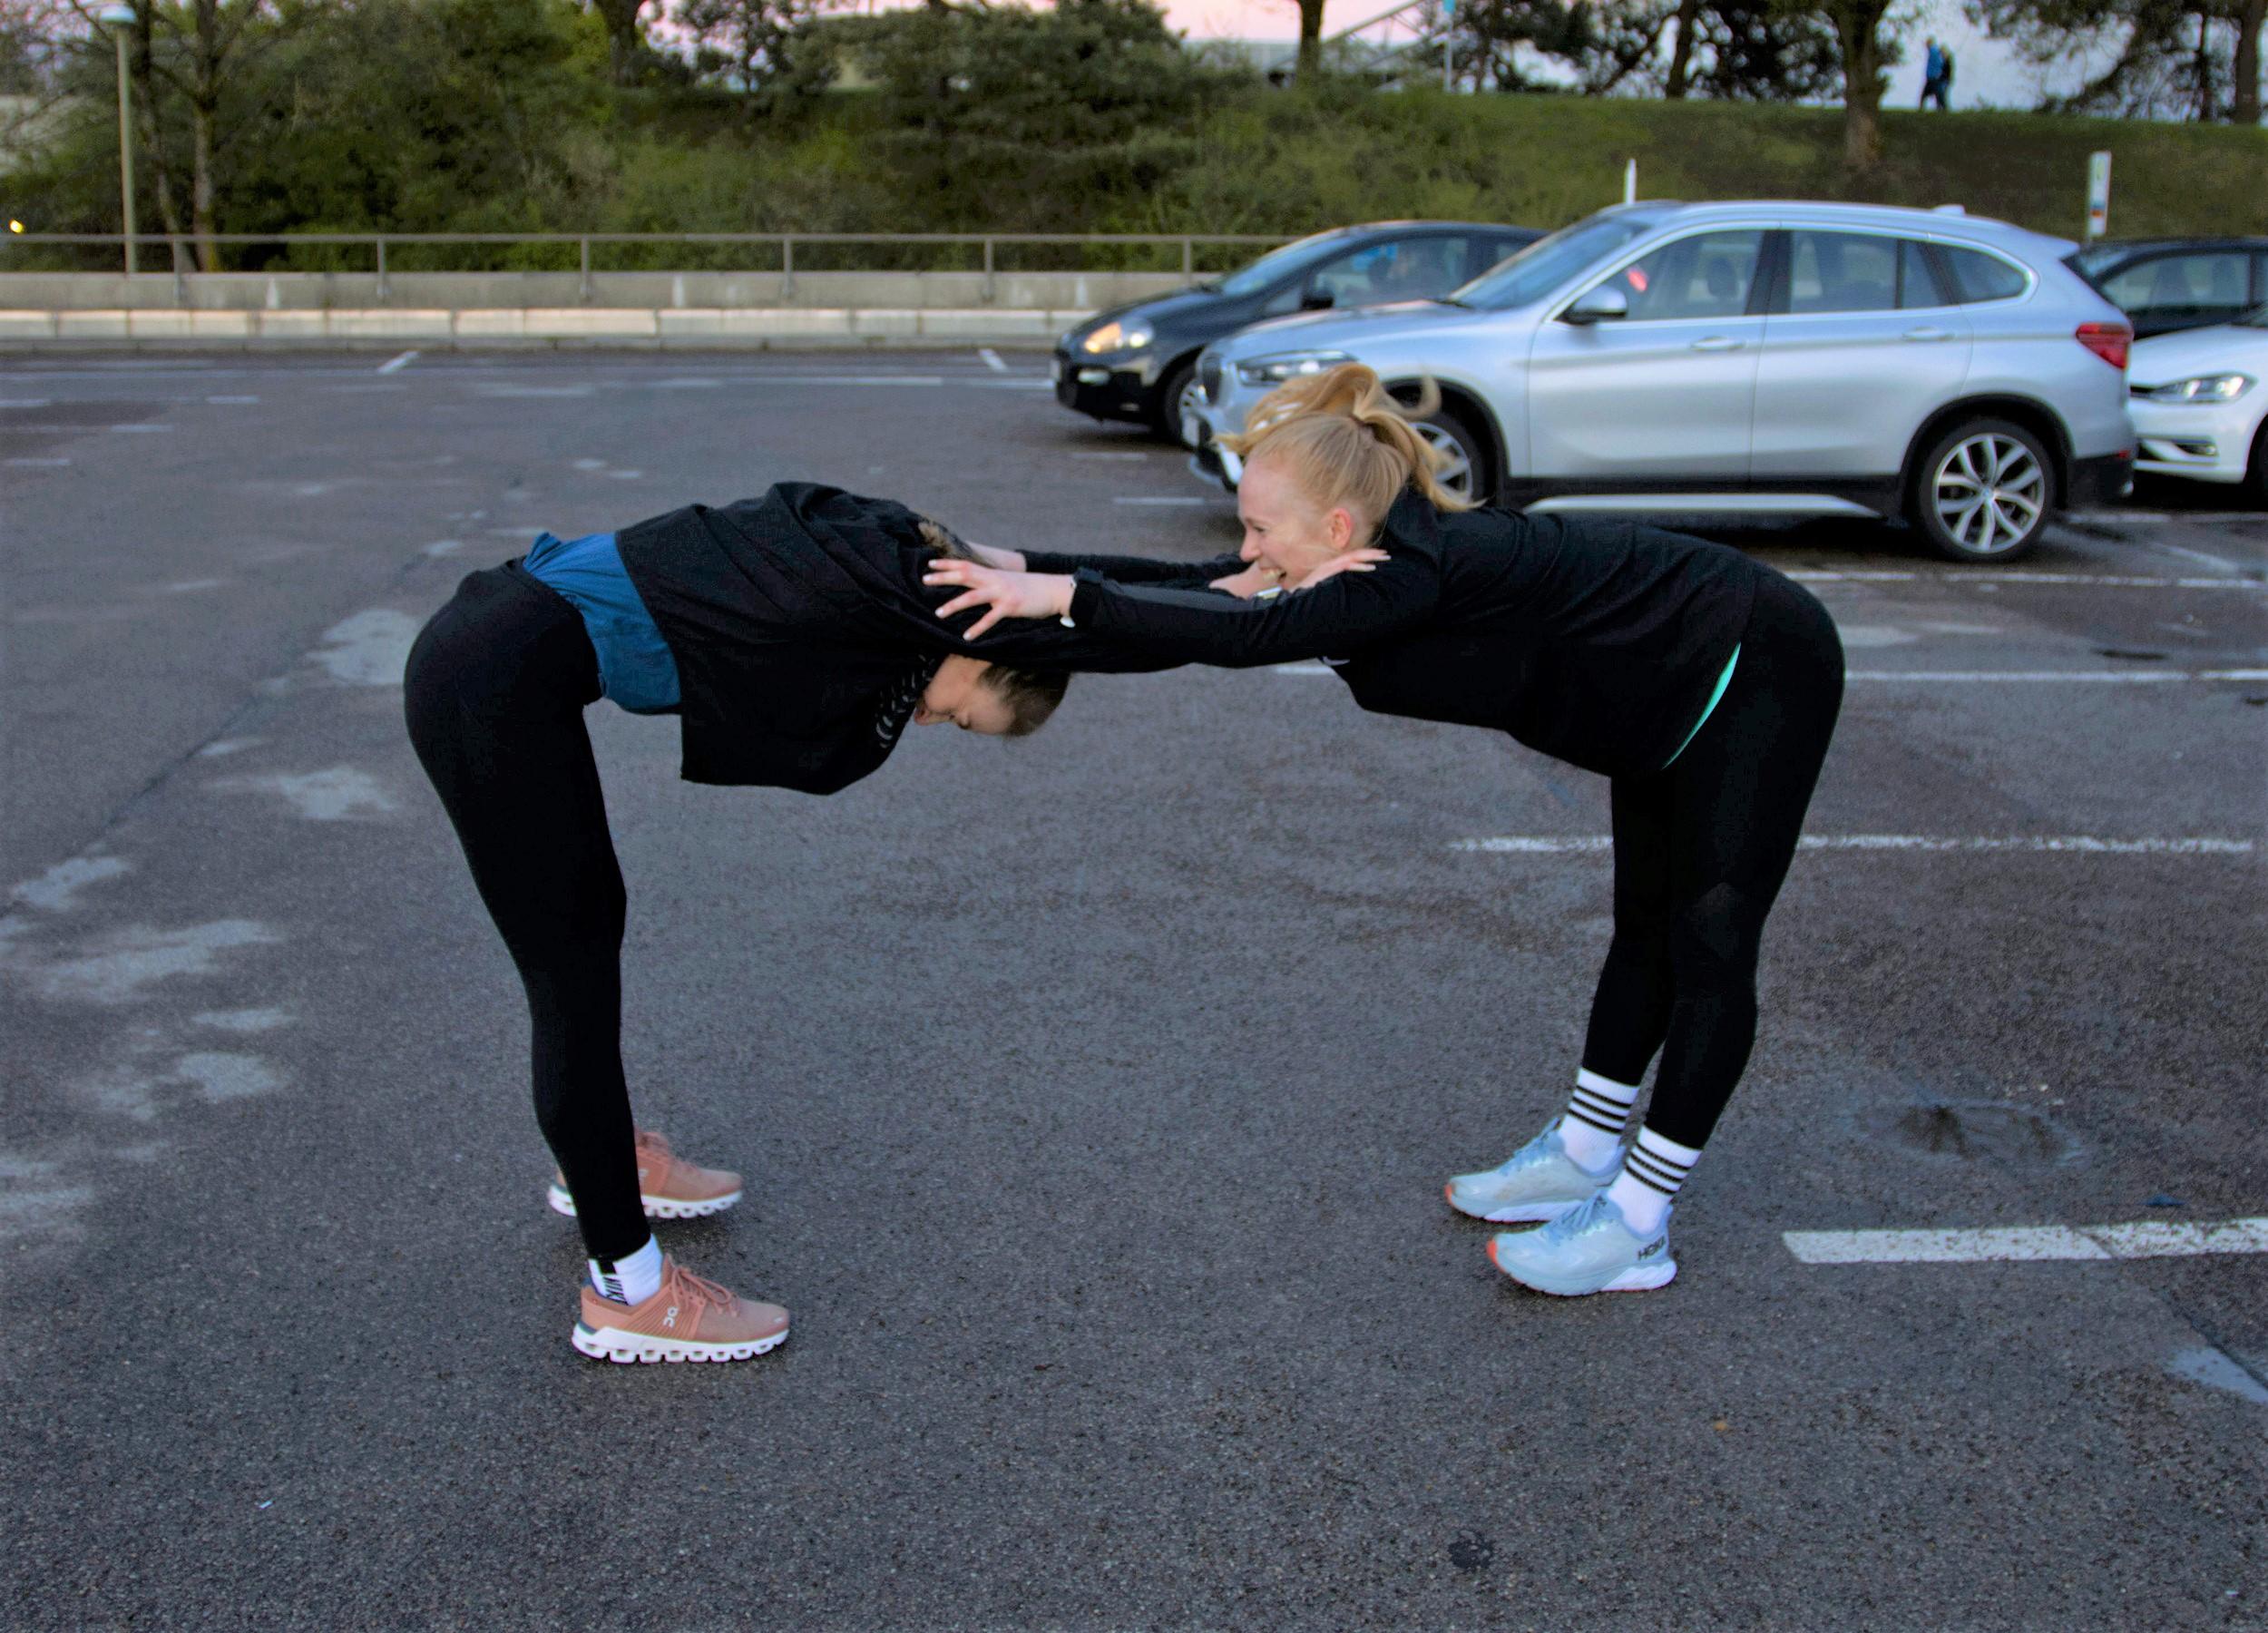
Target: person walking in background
(1937,76)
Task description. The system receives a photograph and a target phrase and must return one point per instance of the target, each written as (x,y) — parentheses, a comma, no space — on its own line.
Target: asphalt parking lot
(1097,1142)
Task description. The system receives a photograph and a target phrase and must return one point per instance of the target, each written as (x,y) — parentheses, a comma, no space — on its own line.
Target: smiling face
(1287,532)
(959,695)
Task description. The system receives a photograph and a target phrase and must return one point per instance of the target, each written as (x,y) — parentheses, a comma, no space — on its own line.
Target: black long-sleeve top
(1599,643)
(803,633)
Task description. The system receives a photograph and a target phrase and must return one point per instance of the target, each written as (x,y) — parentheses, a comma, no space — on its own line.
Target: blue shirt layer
(635,668)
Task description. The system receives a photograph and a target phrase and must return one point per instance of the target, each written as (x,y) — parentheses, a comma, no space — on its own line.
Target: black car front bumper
(1098,388)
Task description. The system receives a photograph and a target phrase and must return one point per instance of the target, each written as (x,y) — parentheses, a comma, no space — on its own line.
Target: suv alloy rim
(1456,467)
(1185,405)
(1989,491)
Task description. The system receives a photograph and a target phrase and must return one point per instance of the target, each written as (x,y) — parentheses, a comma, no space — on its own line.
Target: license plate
(1055,371)
(1192,431)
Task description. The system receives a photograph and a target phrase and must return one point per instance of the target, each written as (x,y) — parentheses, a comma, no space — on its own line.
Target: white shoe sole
(1637,1279)
(657,1207)
(625,1349)
(1521,1213)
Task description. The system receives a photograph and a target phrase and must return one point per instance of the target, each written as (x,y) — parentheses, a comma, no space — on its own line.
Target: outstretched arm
(1364,597)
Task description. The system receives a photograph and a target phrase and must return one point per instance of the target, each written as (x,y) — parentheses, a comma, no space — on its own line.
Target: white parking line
(231,400)
(2075,677)
(992,359)
(1549,844)
(141,427)
(1963,677)
(2195,555)
(2027,1243)
(1110,456)
(39,461)
(1140,499)
(2093,579)
(396,365)
(25,402)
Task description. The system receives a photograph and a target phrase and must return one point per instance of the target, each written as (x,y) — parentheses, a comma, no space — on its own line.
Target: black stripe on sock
(1599,1105)
(1587,1121)
(1660,1175)
(1648,1180)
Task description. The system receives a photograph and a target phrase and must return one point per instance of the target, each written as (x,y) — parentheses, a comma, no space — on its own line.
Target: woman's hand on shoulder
(1004,594)
(1353,561)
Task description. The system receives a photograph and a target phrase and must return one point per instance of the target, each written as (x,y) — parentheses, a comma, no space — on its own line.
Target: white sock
(632,1280)
(1650,1177)
(1597,1113)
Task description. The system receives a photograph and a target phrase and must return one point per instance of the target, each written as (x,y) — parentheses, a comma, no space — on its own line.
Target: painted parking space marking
(396,365)
(1172,500)
(2098,580)
(2087,844)
(2053,677)
(230,401)
(2026,1243)
(42,463)
(992,359)
(25,402)
(1954,676)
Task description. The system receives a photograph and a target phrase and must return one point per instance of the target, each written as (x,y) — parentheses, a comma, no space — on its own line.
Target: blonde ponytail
(1347,442)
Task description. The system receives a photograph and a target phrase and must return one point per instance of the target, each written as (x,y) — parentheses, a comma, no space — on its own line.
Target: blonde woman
(1705,685)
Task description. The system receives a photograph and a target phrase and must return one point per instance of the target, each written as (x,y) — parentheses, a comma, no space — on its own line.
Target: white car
(2199,403)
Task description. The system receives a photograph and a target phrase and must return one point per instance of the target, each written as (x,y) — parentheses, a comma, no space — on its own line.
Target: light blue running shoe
(1538,1182)
(1588,1250)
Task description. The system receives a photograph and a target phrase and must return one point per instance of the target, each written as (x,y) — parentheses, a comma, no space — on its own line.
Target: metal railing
(183,246)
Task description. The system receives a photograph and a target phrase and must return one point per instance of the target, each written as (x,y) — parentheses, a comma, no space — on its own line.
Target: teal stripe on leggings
(1722,682)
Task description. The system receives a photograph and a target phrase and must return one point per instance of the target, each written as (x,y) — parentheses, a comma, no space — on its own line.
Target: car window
(1708,275)
(1980,276)
(1280,263)
(1918,282)
(2184,285)
(1552,260)
(1411,268)
(1841,272)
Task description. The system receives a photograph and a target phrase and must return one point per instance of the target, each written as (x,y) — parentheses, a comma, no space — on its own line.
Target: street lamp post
(119,19)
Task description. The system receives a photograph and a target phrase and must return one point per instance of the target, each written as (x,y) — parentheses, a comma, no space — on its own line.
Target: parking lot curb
(557,329)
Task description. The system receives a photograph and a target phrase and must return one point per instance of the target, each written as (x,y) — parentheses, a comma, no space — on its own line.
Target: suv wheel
(1983,491)
(1177,398)
(1464,468)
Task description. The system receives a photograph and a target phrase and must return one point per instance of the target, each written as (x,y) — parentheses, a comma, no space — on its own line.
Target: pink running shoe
(690,1318)
(669,1186)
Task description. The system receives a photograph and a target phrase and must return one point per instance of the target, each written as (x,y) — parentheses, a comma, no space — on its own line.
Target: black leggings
(495,689)
(1701,848)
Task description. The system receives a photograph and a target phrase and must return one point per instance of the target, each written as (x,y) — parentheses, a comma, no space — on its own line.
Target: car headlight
(2204,389)
(1285,366)
(1116,336)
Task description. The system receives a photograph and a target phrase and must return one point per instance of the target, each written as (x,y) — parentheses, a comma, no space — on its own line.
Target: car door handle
(1929,334)
(1718,343)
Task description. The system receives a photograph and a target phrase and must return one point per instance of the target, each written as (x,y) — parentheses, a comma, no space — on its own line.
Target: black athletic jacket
(803,633)
(1596,642)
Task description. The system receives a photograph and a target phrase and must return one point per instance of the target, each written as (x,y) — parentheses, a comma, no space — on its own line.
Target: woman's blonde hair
(1347,442)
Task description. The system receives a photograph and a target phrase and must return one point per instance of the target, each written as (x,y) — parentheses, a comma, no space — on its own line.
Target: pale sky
(1985,72)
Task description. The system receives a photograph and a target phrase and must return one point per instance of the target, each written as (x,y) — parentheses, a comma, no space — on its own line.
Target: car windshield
(1280,263)
(2092,260)
(1551,262)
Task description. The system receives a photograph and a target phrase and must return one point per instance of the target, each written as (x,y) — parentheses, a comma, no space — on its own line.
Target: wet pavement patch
(1979,1131)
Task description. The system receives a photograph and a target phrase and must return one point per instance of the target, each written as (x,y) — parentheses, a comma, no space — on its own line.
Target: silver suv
(1783,358)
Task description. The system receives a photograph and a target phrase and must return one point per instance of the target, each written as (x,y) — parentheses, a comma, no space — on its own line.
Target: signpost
(2097,194)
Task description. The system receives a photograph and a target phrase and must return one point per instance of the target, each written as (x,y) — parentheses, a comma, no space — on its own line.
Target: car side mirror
(1317,300)
(1601,305)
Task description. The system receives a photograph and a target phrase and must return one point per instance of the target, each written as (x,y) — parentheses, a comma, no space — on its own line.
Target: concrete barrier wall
(440,329)
(521,291)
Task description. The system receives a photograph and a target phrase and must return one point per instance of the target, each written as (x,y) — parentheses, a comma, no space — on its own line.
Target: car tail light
(2108,341)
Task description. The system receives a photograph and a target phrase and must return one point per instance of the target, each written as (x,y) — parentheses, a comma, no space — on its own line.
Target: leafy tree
(758,47)
(2193,58)
(1604,43)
